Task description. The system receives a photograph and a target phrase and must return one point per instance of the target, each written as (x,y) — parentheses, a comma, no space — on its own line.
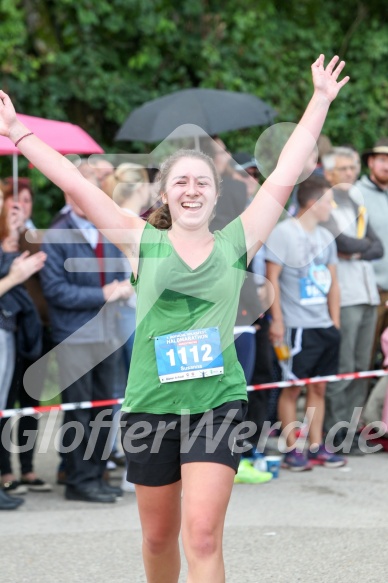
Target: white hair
(329,159)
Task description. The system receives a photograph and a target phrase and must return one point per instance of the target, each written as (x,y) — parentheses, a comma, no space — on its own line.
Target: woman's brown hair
(7,187)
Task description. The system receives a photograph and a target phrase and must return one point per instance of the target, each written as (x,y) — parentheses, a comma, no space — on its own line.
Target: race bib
(309,293)
(321,277)
(181,356)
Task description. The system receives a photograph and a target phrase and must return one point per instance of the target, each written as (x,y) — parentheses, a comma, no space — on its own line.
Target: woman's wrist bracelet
(22,138)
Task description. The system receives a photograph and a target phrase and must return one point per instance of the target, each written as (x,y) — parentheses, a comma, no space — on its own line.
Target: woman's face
(190,192)
(24,200)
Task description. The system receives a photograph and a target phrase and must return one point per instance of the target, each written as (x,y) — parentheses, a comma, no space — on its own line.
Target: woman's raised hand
(325,79)
(8,117)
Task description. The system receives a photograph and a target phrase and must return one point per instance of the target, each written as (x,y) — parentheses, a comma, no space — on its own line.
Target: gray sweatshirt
(375,200)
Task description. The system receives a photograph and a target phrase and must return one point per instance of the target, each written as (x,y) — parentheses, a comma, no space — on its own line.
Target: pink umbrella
(64,137)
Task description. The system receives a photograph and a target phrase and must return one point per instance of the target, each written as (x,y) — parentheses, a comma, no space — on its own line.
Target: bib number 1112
(189,354)
(206,349)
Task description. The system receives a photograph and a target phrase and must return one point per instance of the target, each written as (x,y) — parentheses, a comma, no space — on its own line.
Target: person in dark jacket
(234,197)
(17,212)
(82,282)
(17,317)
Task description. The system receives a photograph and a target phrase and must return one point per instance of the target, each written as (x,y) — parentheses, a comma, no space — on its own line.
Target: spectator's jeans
(7,364)
(27,425)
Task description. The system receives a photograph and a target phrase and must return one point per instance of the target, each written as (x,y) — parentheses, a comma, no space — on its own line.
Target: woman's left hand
(325,79)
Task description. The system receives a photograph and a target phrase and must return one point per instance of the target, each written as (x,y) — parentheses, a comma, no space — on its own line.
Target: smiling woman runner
(185,376)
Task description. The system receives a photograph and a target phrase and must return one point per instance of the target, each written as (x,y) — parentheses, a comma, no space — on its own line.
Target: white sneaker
(127,486)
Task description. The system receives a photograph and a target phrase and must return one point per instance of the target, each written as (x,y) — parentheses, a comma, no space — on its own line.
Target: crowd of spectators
(313,304)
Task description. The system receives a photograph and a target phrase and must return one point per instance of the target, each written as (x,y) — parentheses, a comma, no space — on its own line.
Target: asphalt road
(321,526)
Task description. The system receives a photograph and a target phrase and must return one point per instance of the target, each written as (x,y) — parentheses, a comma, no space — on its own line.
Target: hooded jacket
(367,193)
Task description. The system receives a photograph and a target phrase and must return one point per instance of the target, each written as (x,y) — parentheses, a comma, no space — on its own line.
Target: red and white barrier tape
(325,379)
(278,385)
(63,407)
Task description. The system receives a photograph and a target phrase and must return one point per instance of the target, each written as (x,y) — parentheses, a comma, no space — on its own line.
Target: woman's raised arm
(121,228)
(264,211)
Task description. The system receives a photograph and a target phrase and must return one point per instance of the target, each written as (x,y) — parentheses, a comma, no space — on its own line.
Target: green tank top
(173,298)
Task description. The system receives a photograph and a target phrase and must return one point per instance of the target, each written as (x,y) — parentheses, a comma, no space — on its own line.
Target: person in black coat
(18,320)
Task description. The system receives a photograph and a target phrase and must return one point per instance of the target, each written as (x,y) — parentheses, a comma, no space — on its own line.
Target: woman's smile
(191,205)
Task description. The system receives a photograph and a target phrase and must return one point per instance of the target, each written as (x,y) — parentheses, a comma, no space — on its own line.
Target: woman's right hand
(15,225)
(8,119)
(117,290)
(26,265)
(15,219)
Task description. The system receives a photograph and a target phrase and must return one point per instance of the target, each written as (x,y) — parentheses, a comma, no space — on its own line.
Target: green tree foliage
(93,61)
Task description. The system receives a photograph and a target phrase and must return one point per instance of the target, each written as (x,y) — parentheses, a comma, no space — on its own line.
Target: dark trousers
(28,424)
(262,373)
(245,345)
(85,432)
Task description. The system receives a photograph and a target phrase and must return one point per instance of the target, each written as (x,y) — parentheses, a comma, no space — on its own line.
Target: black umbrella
(211,110)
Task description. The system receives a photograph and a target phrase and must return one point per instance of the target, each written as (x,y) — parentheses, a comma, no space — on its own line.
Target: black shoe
(119,460)
(89,494)
(14,487)
(36,485)
(108,489)
(9,502)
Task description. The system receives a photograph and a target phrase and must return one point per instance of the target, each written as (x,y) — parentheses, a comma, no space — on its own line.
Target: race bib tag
(314,288)
(191,354)
(321,277)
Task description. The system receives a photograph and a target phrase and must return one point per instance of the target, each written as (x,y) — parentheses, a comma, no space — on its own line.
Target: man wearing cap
(372,192)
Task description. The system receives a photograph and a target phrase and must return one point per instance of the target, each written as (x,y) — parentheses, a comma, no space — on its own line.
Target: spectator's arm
(57,289)
(6,283)
(276,330)
(21,269)
(376,249)
(346,246)
(333,297)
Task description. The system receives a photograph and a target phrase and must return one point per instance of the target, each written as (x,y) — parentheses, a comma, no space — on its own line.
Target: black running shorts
(157,445)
